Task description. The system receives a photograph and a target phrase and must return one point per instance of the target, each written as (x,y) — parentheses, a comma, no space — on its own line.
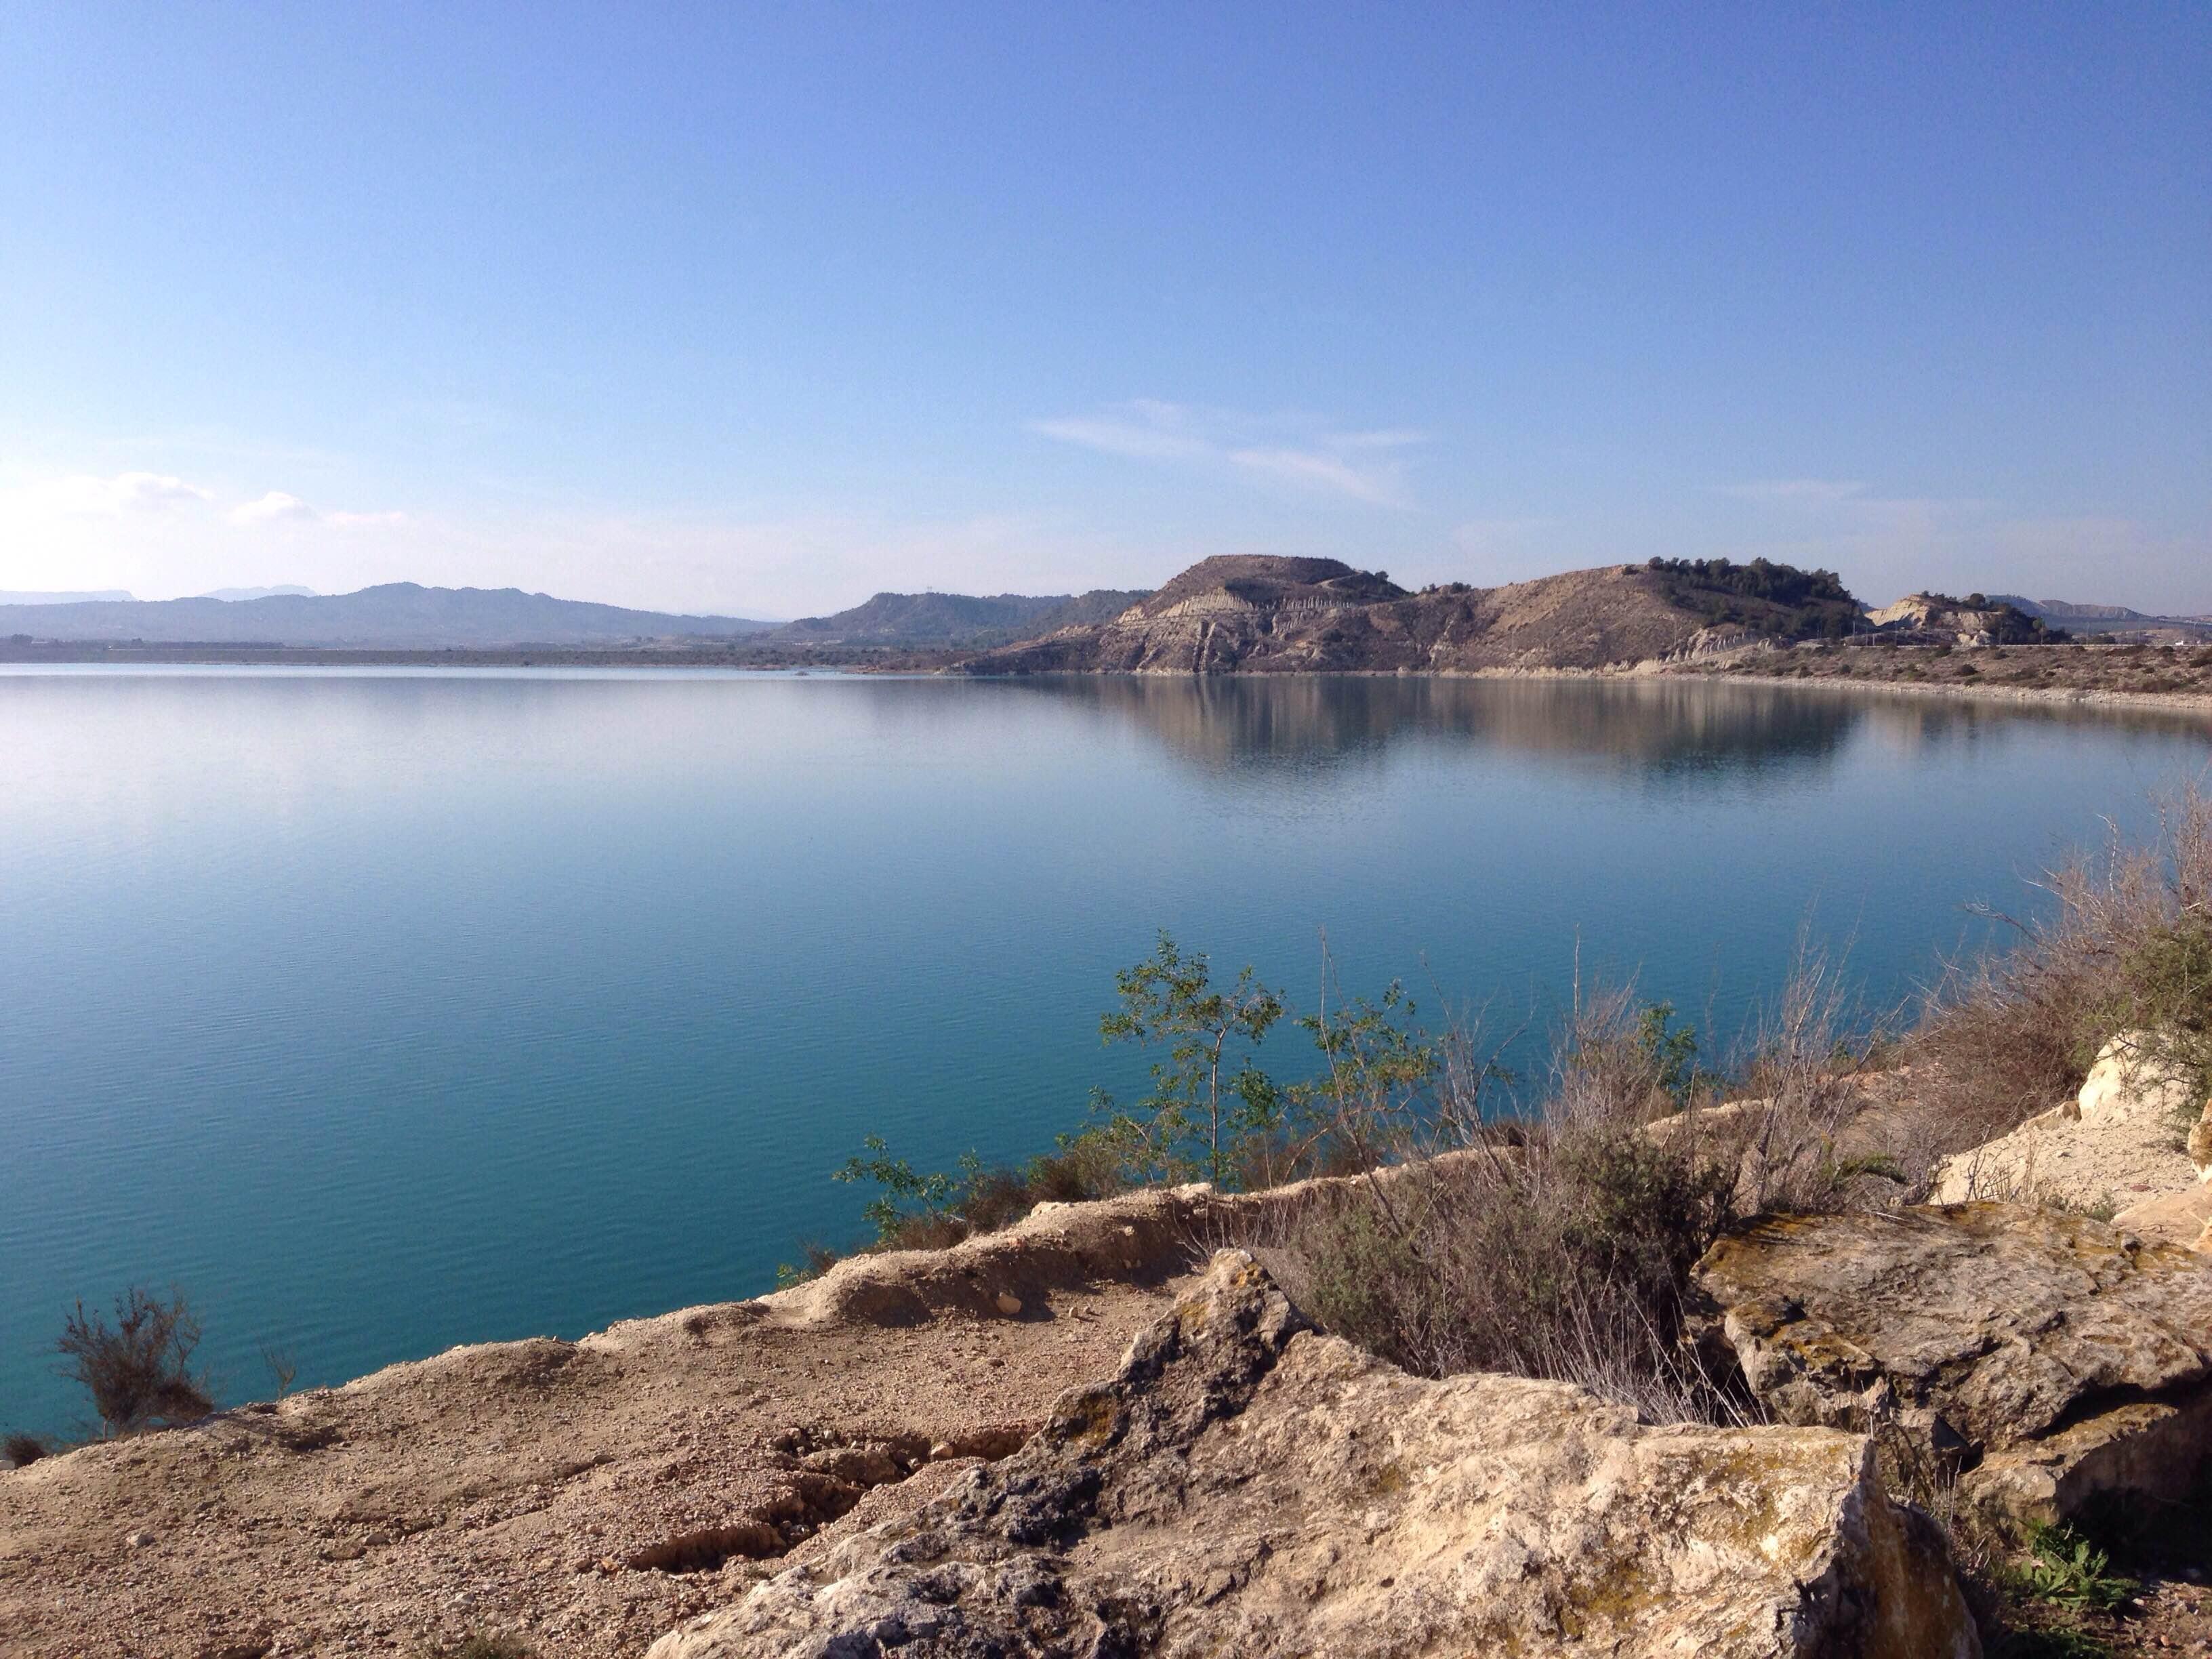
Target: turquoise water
(386,1010)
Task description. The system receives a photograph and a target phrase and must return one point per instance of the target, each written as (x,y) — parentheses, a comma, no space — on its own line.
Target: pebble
(138,1540)
(1009,1303)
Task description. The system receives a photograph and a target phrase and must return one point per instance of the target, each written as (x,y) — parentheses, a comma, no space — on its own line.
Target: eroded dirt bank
(584,1497)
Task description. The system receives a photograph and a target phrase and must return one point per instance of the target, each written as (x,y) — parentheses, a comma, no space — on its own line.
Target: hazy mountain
(2067,614)
(103,596)
(237,593)
(397,615)
(2097,618)
(917,619)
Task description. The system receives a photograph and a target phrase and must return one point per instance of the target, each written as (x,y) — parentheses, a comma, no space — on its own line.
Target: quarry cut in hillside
(1250,613)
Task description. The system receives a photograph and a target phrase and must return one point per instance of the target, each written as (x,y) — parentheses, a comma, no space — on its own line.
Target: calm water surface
(389,1011)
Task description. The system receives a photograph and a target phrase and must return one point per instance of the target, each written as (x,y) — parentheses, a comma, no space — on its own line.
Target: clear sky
(759,308)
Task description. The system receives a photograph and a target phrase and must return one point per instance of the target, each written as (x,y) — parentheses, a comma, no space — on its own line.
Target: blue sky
(760,308)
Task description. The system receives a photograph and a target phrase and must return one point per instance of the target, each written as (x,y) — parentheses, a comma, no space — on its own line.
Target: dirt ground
(583,1498)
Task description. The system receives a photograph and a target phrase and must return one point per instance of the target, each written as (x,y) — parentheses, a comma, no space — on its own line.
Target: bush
(20,1450)
(1558,1246)
(2129,948)
(138,1372)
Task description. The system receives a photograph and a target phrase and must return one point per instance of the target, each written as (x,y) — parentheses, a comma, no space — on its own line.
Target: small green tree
(904,1191)
(1377,1086)
(1673,1053)
(1207,1092)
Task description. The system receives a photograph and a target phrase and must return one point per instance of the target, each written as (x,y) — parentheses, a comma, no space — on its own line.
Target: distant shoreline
(2197,704)
(188,654)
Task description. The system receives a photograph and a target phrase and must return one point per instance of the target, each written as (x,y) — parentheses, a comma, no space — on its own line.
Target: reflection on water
(1234,722)
(390,1010)
(1654,724)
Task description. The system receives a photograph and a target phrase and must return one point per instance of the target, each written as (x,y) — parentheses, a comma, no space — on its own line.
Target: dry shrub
(1806,1117)
(2013,1033)
(138,1372)
(480,1645)
(1557,1247)
(20,1451)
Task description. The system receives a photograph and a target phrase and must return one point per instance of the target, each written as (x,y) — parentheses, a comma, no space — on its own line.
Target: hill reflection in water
(1658,726)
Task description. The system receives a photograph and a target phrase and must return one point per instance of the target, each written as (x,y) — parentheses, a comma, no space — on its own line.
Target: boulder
(2184,1219)
(2046,1357)
(1246,1486)
(2130,1084)
(2116,1142)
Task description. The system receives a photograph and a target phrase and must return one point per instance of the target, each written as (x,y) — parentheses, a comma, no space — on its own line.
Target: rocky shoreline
(939,1453)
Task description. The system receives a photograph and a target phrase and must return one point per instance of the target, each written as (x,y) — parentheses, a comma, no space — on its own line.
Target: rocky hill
(1259,614)
(1939,619)
(395,615)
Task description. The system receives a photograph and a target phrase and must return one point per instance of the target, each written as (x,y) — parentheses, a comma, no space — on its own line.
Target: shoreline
(2195,705)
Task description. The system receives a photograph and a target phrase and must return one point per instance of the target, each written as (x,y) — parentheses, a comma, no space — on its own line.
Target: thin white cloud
(155,491)
(281,506)
(1799,492)
(86,495)
(277,505)
(1295,450)
(1316,470)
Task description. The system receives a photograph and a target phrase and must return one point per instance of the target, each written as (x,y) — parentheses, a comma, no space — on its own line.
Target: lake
(384,1010)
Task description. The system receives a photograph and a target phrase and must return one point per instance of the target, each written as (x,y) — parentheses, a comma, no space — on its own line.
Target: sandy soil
(585,1497)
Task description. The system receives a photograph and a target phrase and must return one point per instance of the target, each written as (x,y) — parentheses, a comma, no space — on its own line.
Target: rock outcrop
(1973,622)
(2047,1357)
(2184,1219)
(2118,1142)
(1244,1485)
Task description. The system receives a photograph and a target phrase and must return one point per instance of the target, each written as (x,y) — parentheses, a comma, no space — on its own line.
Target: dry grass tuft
(2008,1035)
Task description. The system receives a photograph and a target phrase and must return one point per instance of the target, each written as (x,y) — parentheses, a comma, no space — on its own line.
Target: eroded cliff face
(1260,615)
(1244,1485)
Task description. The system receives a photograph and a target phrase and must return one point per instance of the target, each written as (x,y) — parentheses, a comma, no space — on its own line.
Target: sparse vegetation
(2068,1571)
(138,1370)
(2044,666)
(20,1450)
(1779,599)
(2129,947)
(1208,1094)
(283,1370)
(479,1646)
(1761,579)
(1555,1245)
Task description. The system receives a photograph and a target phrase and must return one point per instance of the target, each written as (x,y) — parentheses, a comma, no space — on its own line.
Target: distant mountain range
(955,619)
(2101,618)
(1242,612)
(400,616)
